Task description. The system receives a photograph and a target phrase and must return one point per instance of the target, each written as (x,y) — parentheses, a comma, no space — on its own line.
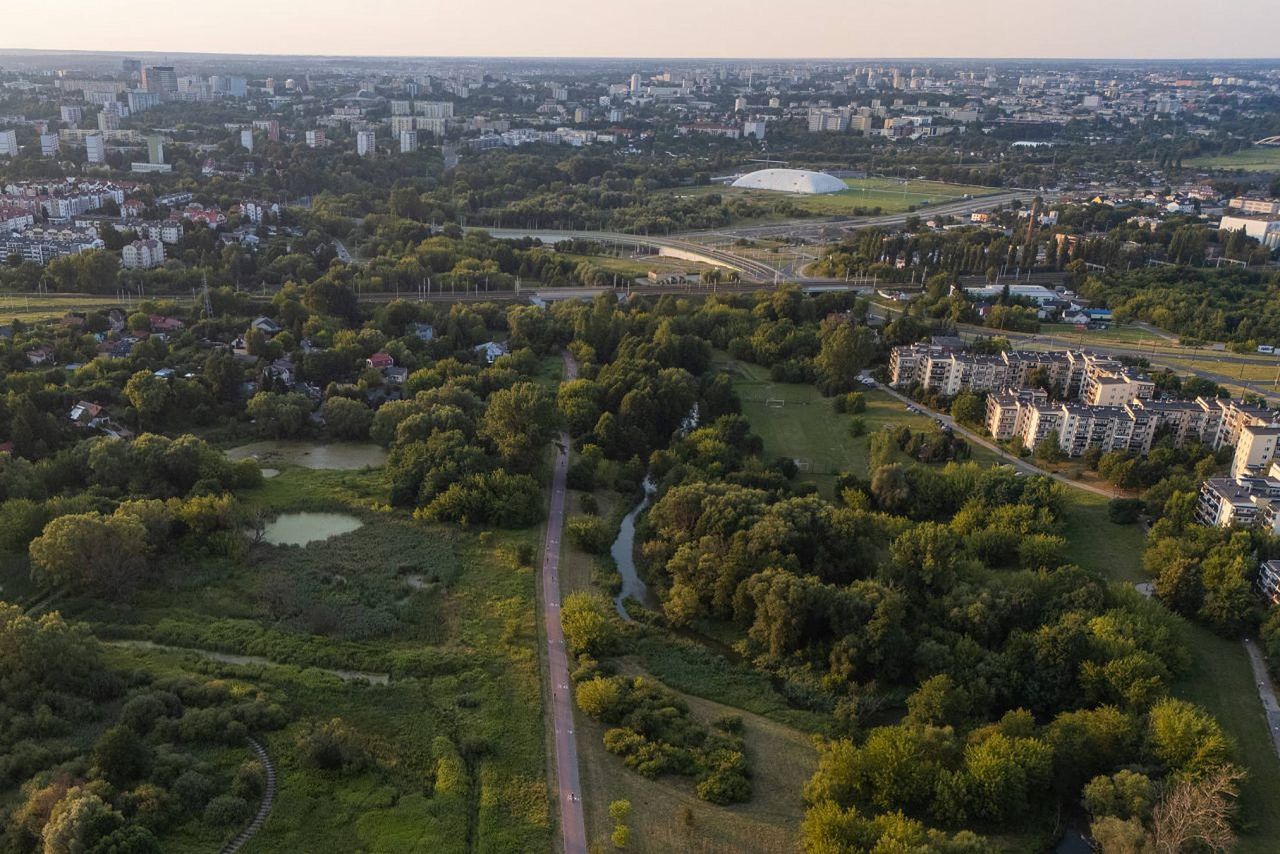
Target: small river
(623,552)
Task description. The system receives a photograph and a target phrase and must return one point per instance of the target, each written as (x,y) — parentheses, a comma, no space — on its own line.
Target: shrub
(590,533)
(226,810)
(1125,511)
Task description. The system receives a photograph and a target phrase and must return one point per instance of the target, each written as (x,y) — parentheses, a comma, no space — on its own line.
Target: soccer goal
(774,402)
(803,464)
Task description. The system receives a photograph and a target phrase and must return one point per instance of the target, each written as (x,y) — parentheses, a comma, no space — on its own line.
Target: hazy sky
(712,28)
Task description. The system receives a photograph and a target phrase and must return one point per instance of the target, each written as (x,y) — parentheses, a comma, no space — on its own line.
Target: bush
(226,810)
(1125,511)
(334,746)
(855,403)
(858,427)
(590,533)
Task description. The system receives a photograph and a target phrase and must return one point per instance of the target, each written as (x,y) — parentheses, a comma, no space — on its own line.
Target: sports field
(890,195)
(1259,158)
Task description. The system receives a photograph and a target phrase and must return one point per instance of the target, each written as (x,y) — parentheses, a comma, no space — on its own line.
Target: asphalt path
(568,786)
(1266,691)
(1017,462)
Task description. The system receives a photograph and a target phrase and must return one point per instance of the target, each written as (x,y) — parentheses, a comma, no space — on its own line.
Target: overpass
(688,245)
(749,268)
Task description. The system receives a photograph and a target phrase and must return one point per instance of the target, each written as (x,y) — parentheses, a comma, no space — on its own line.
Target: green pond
(298,529)
(340,456)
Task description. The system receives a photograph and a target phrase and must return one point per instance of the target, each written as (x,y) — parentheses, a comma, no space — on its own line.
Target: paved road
(813,228)
(1017,462)
(573,827)
(1266,691)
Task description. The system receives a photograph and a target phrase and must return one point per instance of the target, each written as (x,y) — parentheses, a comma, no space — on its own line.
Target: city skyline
(1094,29)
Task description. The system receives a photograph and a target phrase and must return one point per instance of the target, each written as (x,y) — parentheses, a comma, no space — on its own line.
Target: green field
(890,195)
(33,307)
(796,421)
(1259,158)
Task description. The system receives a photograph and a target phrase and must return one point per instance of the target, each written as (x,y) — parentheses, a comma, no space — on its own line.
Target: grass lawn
(1094,542)
(1219,679)
(631,267)
(668,816)
(32,307)
(1259,158)
(1222,681)
(890,195)
(796,421)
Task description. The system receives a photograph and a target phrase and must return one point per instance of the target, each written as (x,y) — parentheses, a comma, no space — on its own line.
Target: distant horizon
(819,30)
(128,53)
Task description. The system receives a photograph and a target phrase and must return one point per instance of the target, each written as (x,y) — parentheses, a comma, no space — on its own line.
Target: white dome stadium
(791,181)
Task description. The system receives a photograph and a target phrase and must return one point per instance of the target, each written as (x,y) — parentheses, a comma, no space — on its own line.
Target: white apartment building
(408,141)
(1244,502)
(1255,449)
(8,143)
(316,139)
(366,143)
(143,254)
(95,148)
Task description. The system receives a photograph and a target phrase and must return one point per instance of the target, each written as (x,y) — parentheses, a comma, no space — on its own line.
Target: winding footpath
(573,827)
(264,808)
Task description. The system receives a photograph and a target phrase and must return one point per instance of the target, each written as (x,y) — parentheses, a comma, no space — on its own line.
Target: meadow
(889,195)
(448,615)
(1256,159)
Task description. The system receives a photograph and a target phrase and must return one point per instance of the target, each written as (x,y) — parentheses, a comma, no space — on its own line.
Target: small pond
(342,456)
(298,529)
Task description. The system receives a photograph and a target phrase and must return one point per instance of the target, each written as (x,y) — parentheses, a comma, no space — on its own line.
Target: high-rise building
(8,143)
(160,78)
(366,143)
(270,127)
(48,145)
(246,139)
(408,141)
(635,84)
(130,67)
(434,109)
(142,99)
(581,116)
(95,148)
(155,149)
(315,139)
(401,108)
(72,115)
(108,120)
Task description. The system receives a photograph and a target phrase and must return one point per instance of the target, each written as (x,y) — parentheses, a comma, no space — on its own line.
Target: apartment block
(143,254)
(1235,417)
(1255,449)
(1268,581)
(1244,502)
(1003,409)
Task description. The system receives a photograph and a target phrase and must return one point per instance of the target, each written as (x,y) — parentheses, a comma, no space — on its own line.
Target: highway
(573,827)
